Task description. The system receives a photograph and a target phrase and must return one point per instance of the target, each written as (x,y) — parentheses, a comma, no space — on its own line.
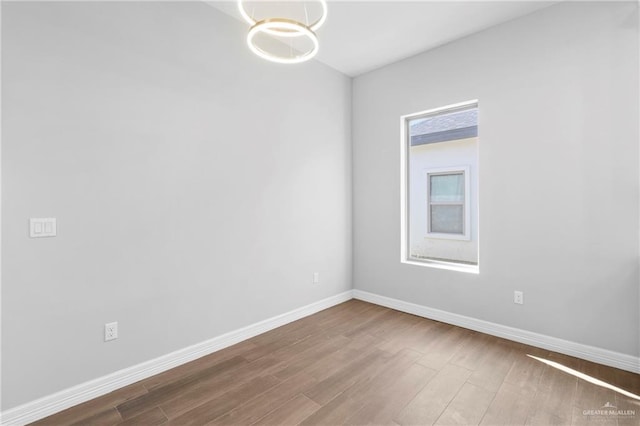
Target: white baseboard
(62,400)
(578,350)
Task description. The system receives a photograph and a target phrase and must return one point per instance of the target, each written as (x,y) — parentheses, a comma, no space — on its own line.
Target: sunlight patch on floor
(585,377)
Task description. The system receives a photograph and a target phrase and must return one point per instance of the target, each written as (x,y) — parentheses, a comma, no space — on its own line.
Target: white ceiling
(360,36)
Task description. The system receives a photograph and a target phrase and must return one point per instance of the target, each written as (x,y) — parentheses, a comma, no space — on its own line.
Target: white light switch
(42,227)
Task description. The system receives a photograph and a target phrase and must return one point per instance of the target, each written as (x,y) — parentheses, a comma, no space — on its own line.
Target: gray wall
(196,186)
(558,160)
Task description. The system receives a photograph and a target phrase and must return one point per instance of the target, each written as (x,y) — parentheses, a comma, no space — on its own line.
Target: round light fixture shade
(279,26)
(282,32)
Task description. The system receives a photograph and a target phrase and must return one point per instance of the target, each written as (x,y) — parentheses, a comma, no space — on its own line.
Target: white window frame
(405,256)
(466,224)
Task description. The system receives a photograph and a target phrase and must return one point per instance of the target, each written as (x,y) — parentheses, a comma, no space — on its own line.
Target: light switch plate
(42,227)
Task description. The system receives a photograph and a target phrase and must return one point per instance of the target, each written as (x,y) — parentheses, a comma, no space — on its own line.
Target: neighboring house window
(448,203)
(440,187)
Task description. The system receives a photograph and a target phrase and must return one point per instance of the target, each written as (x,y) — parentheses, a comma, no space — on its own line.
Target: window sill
(441,236)
(471,269)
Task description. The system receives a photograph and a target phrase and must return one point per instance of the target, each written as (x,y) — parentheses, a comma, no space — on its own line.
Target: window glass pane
(447,219)
(447,188)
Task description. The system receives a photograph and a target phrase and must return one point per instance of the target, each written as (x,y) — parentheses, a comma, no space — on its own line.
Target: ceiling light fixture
(290,26)
(279,27)
(313,27)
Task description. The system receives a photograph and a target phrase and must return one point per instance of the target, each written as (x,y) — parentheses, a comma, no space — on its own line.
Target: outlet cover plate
(110,331)
(518,297)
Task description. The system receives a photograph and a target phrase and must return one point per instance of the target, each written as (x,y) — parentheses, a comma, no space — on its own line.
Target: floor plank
(525,371)
(212,387)
(335,412)
(103,418)
(310,357)
(383,406)
(468,406)
(358,348)
(359,370)
(494,367)
(511,405)
(207,412)
(195,367)
(296,410)
(554,398)
(81,412)
(260,406)
(153,417)
(430,403)
(445,347)
(174,389)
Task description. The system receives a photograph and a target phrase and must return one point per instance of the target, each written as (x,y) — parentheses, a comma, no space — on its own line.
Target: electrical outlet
(110,331)
(518,297)
(316,277)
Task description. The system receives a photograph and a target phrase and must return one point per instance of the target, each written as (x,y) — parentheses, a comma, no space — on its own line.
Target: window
(440,187)
(447,198)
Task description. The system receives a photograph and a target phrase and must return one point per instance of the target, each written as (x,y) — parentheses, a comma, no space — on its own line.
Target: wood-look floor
(358,363)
